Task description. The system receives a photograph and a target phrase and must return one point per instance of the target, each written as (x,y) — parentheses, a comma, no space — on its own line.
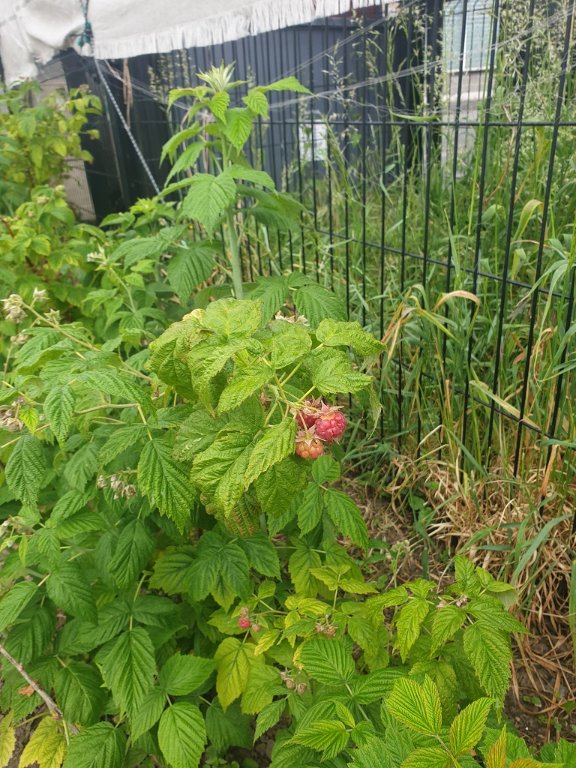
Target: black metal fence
(436,160)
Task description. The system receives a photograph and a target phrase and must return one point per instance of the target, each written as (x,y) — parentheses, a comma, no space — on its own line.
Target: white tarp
(32,31)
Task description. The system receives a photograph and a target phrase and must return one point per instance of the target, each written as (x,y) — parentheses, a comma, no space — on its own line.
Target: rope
(87,38)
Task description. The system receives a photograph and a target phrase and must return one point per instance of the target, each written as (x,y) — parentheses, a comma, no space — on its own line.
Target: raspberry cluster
(321,423)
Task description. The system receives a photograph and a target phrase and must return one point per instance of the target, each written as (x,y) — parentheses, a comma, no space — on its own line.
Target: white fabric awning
(32,31)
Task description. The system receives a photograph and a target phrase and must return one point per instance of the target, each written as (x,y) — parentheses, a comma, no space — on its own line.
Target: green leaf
(238,126)
(218,104)
(208,198)
(310,509)
(59,410)
(147,714)
(26,469)
(316,303)
(334,375)
(191,266)
(196,433)
(233,318)
(327,660)
(133,549)
(245,173)
(7,739)
(374,686)
(277,487)
(181,675)
(46,747)
(263,684)
(289,343)
(136,249)
(14,601)
(268,718)
(328,736)
(446,622)
(271,292)
(468,726)
(79,692)
(172,572)
(325,470)
(489,653)
(417,706)
(244,384)
(129,668)
(335,333)
(186,159)
(221,569)
(227,729)
(165,482)
(262,555)
(428,757)
(346,517)
(301,561)
(233,662)
(121,439)
(173,142)
(276,444)
(256,101)
(182,735)
(28,639)
(99,746)
(69,589)
(409,624)
(290,83)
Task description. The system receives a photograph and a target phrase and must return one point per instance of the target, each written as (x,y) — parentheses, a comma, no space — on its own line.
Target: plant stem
(50,703)
(235,259)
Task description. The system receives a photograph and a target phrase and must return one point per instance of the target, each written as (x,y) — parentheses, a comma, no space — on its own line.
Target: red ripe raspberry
(307,415)
(331,423)
(244,622)
(307,445)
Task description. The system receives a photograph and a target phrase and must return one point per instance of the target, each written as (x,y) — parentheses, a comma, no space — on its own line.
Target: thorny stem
(50,703)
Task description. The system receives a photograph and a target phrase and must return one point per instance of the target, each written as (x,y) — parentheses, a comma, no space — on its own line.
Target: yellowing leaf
(233,661)
(7,740)
(47,746)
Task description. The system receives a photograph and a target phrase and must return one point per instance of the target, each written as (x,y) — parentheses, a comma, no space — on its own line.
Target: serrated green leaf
(301,561)
(276,444)
(468,726)
(233,662)
(289,344)
(29,638)
(221,569)
(7,739)
(67,505)
(233,318)
(428,757)
(488,651)
(14,601)
(186,159)
(172,571)
(129,668)
(181,675)
(316,303)
(147,714)
(79,692)
(122,439)
(262,555)
(218,104)
(238,126)
(277,487)
(334,375)
(228,729)
(446,622)
(310,508)
(334,333)
(46,747)
(244,384)
(245,173)
(189,267)
(59,410)
(208,198)
(327,736)
(133,549)
(365,689)
(409,623)
(417,706)
(271,292)
(165,482)
(346,517)
(99,746)
(25,469)
(169,148)
(182,735)
(327,660)
(290,83)
(325,470)
(256,100)
(268,718)
(69,589)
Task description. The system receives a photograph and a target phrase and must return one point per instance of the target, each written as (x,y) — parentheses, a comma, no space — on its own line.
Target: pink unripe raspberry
(255,627)
(244,622)
(331,424)
(308,446)
(306,416)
